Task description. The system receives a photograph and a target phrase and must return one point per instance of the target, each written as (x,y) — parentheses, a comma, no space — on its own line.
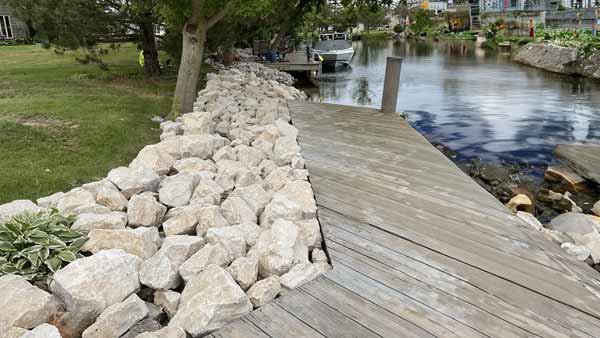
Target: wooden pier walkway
(418,248)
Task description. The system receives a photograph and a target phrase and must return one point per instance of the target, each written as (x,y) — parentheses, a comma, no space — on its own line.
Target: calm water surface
(478,103)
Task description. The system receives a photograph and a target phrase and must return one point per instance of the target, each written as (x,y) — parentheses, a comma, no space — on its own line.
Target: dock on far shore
(297,62)
(418,248)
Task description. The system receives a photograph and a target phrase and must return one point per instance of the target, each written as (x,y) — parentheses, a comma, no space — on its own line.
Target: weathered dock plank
(582,158)
(418,248)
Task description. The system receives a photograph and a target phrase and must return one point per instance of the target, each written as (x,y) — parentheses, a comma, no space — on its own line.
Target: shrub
(36,245)
(398,29)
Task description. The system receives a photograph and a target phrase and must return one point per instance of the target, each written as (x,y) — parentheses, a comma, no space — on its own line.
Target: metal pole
(391,84)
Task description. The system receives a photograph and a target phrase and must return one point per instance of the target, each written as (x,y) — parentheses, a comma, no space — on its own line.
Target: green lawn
(63,123)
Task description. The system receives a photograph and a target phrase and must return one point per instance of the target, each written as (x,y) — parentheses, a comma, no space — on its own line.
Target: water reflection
(476,102)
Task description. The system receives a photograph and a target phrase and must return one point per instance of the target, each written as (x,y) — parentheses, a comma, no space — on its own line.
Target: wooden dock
(297,63)
(418,248)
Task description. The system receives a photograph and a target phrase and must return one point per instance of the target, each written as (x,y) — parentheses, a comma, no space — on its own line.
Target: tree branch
(218,16)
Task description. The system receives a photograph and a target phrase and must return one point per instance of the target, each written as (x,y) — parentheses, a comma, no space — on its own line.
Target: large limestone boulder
(24,305)
(301,193)
(152,158)
(209,217)
(176,191)
(581,228)
(208,190)
(109,196)
(310,232)
(254,195)
(142,242)
(183,223)
(168,300)
(279,248)
(75,198)
(144,210)
(161,271)
(249,156)
(14,208)
(210,300)
(250,231)
(563,60)
(300,274)
(113,221)
(170,146)
(244,271)
(197,123)
(264,291)
(236,211)
(231,238)
(210,254)
(118,318)
(285,149)
(200,146)
(285,129)
(89,285)
(43,331)
(280,207)
(194,164)
(50,201)
(132,182)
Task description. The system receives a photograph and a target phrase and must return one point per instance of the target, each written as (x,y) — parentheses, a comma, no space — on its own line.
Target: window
(5,27)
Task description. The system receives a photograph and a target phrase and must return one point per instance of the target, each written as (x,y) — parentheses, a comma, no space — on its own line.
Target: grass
(63,123)
(375,34)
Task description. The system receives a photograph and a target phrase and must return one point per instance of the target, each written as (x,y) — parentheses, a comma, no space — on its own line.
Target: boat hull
(337,56)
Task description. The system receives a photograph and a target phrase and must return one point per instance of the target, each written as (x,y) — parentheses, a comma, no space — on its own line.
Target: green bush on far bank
(375,34)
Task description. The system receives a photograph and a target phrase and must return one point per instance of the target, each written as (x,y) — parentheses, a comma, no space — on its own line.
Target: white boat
(334,48)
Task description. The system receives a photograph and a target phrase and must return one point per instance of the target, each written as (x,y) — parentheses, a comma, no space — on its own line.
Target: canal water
(476,102)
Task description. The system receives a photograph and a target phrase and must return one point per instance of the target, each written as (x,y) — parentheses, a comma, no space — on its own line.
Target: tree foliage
(67,23)
(422,21)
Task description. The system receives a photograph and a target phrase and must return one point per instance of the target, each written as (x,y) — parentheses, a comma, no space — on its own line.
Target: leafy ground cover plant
(35,245)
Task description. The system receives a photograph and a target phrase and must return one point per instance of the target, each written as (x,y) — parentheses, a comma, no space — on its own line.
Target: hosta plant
(35,245)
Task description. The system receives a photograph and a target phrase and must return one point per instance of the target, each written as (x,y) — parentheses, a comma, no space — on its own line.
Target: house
(11,28)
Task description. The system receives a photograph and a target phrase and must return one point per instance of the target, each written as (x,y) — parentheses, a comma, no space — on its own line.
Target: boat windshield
(332,45)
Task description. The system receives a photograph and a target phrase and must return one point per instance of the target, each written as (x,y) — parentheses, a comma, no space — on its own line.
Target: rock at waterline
(520,202)
(210,300)
(584,159)
(596,209)
(582,229)
(493,174)
(566,176)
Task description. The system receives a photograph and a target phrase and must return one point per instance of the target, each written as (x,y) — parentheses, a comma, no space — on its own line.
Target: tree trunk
(151,64)
(194,38)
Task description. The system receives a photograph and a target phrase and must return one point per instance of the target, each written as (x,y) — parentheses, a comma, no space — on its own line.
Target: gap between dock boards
(418,248)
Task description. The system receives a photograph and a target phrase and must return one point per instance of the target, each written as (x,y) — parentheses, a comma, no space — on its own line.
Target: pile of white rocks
(215,220)
(578,234)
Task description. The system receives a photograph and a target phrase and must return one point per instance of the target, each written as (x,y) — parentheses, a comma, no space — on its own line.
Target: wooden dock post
(391,84)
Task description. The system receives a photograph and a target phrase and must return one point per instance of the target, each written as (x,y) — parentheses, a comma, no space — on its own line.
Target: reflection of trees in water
(360,91)
(370,51)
